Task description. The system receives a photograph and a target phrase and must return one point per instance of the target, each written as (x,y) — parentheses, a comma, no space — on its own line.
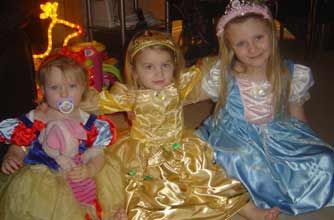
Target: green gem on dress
(148,177)
(176,146)
(132,172)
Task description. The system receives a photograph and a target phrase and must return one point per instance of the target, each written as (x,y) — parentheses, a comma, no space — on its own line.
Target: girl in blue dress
(259,130)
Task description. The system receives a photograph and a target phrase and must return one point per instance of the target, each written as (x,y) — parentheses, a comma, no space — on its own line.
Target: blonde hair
(68,67)
(155,40)
(276,73)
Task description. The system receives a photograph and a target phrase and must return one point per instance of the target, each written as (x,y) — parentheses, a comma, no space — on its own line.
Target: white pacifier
(65,105)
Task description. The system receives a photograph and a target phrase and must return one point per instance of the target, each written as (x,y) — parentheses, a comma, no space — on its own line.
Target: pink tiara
(238,8)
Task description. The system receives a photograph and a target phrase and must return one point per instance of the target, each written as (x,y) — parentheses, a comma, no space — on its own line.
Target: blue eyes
(163,66)
(240,44)
(54,87)
(148,67)
(166,66)
(58,87)
(259,37)
(245,43)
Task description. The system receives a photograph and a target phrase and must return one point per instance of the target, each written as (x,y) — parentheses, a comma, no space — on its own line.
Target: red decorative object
(23,136)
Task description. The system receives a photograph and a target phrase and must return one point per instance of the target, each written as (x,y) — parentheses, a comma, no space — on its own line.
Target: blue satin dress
(282,162)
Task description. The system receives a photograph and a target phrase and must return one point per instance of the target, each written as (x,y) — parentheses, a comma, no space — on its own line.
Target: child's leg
(251,212)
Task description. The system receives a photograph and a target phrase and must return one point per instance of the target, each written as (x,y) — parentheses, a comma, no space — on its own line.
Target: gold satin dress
(160,170)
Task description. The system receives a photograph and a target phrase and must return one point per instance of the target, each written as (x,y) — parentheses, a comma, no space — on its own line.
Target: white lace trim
(211,82)
(301,82)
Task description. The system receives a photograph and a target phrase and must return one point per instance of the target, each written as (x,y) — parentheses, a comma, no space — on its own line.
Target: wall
(156,7)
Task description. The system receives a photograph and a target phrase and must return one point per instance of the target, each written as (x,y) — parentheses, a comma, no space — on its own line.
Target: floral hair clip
(64,52)
(238,8)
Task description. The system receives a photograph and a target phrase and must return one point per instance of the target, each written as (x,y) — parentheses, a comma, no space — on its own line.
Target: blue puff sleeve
(106,132)
(7,128)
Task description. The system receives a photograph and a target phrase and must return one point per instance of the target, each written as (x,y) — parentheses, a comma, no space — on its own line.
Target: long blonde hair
(276,73)
(153,40)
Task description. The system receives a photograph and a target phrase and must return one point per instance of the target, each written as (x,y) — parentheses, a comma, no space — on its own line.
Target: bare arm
(13,159)
(95,165)
(297,110)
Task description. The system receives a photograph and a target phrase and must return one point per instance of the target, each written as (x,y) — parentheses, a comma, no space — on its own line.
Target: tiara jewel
(238,8)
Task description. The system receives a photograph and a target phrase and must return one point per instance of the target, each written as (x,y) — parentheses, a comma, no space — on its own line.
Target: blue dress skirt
(282,163)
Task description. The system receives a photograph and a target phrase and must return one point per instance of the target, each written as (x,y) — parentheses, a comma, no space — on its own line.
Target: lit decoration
(50,11)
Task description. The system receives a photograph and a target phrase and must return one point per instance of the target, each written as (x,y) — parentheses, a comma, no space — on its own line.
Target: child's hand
(11,164)
(13,160)
(65,163)
(120,214)
(79,173)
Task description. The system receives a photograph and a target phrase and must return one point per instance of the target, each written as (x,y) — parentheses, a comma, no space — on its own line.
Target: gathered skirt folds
(282,164)
(171,180)
(36,193)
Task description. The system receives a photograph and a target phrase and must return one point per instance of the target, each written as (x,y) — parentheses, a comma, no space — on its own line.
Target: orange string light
(50,11)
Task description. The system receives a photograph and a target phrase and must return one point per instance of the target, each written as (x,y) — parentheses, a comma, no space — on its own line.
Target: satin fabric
(158,170)
(37,191)
(282,162)
(257,100)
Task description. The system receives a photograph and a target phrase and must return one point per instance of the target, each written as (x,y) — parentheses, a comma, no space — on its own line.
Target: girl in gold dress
(159,170)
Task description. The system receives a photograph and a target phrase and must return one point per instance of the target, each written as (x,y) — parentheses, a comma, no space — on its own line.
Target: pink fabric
(238,8)
(257,100)
(56,138)
(75,129)
(62,134)
(84,191)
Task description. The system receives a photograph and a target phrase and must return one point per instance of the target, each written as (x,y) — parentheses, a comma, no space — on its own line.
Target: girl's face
(58,88)
(154,68)
(251,43)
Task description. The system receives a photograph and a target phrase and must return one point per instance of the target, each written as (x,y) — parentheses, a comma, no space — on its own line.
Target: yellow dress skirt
(167,181)
(37,193)
(160,170)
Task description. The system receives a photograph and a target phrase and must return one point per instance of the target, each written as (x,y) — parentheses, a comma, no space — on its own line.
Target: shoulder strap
(90,122)
(26,121)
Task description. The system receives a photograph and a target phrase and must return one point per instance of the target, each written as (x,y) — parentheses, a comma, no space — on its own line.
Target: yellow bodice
(158,114)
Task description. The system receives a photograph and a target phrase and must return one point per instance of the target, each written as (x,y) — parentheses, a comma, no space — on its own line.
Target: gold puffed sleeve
(118,99)
(190,80)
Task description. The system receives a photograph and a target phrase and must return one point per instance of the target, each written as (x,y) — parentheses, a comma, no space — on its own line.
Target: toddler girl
(56,162)
(159,169)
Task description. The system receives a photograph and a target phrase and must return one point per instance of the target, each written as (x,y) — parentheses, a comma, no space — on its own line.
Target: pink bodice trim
(257,100)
